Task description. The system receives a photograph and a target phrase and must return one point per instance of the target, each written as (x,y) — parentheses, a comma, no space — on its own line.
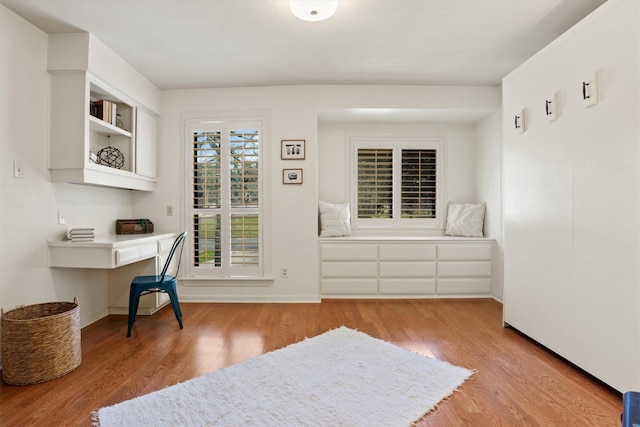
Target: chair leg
(134,300)
(173,296)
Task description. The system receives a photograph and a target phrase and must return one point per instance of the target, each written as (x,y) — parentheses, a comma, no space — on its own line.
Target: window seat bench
(406,267)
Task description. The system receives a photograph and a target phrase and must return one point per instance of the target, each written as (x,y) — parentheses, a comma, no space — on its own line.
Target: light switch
(17,169)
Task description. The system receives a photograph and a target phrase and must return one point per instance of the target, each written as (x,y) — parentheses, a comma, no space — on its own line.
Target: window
(225,200)
(396,183)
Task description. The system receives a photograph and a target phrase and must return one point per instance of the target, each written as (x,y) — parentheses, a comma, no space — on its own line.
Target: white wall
(459,154)
(29,205)
(294,115)
(291,208)
(488,186)
(572,198)
(473,174)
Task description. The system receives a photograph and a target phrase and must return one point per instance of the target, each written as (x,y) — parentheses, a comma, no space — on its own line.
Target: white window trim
(190,119)
(395,143)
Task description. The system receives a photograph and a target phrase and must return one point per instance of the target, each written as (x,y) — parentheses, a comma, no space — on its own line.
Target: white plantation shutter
(207,169)
(244,240)
(375,183)
(396,182)
(419,183)
(244,181)
(244,162)
(226,198)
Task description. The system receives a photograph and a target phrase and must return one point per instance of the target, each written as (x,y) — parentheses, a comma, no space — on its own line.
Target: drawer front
(464,286)
(349,287)
(81,257)
(407,286)
(407,269)
(480,252)
(348,252)
(407,252)
(465,269)
(349,269)
(129,255)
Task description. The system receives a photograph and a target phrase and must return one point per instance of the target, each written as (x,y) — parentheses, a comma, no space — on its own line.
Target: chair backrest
(178,243)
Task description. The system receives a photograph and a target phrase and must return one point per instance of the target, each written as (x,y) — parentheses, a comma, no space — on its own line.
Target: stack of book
(104,110)
(81,234)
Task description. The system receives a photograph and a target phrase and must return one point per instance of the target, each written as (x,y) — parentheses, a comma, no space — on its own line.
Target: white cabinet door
(145,144)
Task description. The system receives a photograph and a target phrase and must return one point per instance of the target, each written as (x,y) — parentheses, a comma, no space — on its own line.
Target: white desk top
(114,241)
(108,251)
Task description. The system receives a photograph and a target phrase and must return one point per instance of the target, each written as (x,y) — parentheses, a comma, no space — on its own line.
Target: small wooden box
(134,226)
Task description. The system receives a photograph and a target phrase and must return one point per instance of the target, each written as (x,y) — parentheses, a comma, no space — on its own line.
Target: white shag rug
(340,378)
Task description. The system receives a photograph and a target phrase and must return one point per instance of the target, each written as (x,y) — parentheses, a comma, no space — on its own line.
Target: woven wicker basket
(40,342)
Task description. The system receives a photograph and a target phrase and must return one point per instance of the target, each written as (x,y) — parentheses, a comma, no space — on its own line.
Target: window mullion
(397,184)
(225,195)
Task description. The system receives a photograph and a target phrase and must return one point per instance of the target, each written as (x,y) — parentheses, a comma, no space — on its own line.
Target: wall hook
(585,91)
(551,108)
(590,90)
(518,122)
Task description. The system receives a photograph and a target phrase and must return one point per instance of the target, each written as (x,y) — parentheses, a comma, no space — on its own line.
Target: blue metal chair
(143,285)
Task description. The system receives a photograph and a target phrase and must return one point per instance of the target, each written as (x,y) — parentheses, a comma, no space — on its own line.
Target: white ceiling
(228,43)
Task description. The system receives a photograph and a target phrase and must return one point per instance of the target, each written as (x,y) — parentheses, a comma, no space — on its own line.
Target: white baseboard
(250,299)
(92,317)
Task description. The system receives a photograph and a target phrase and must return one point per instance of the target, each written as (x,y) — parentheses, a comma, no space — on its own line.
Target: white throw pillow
(334,219)
(465,219)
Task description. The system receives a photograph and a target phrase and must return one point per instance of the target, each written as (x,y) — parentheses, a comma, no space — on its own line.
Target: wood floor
(517,382)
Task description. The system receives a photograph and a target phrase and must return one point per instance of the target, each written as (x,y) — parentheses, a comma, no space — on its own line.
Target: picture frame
(293,149)
(292,176)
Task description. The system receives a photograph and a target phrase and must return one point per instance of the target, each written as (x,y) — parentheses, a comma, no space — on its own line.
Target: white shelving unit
(77,136)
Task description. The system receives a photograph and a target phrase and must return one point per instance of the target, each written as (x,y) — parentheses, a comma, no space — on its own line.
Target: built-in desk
(124,257)
(108,251)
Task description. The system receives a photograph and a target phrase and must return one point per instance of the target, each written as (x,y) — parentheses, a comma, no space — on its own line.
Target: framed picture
(292,176)
(292,149)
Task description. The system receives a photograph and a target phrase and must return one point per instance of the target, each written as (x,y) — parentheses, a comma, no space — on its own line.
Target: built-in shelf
(102,131)
(102,127)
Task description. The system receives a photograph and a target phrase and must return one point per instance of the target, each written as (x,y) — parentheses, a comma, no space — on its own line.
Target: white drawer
(464,286)
(407,252)
(349,287)
(349,269)
(407,269)
(348,252)
(135,253)
(465,269)
(479,252)
(407,286)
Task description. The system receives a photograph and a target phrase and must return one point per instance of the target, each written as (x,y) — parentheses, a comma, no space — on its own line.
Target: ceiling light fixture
(313,10)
